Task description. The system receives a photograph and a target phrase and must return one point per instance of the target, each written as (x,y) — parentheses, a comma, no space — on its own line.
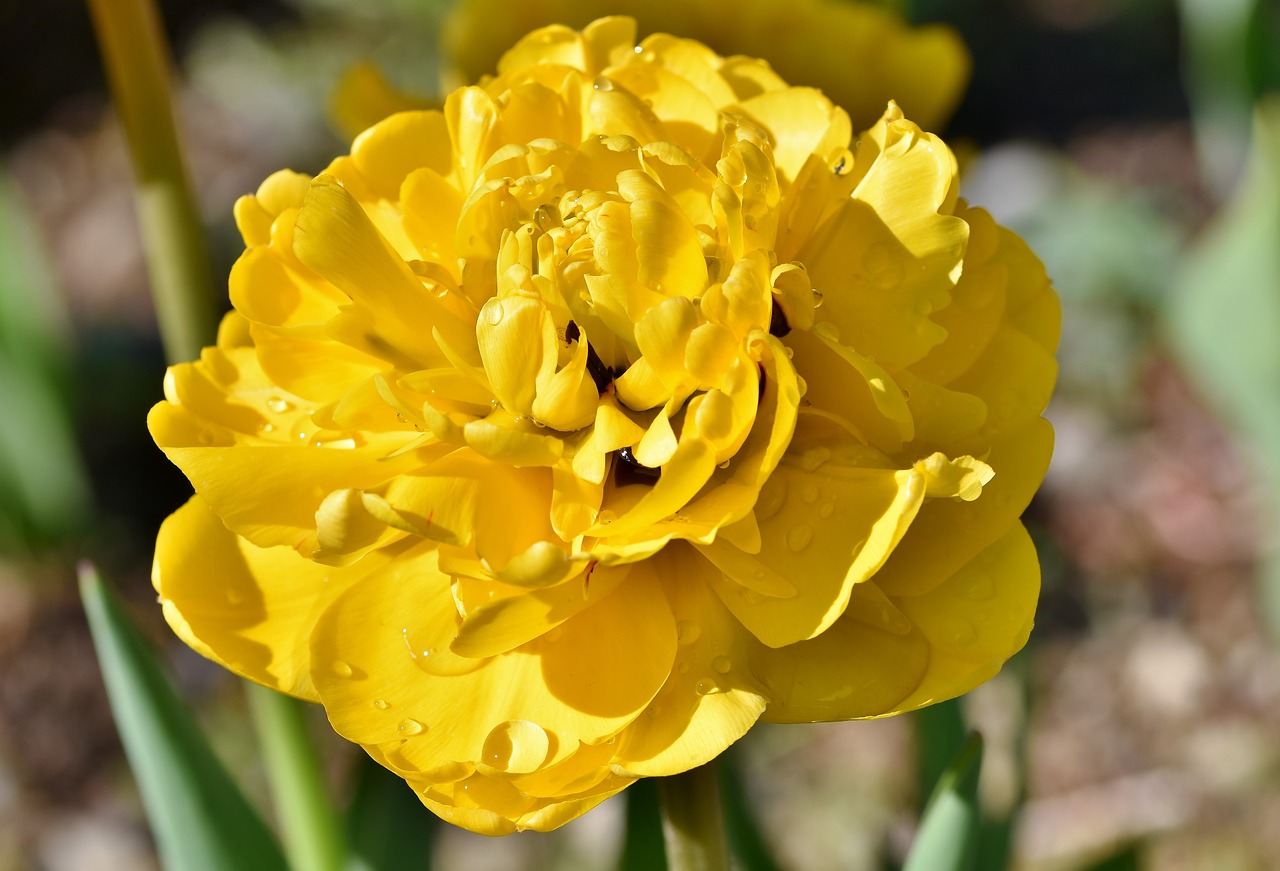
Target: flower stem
(137,63)
(312,834)
(693,822)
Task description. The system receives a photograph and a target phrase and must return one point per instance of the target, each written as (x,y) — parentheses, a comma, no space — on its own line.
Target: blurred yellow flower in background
(858,54)
(559,436)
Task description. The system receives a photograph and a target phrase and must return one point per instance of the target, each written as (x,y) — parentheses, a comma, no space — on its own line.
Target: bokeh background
(1132,142)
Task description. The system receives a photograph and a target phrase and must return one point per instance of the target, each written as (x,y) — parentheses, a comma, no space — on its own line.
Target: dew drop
(493,312)
(976,586)
(790,352)
(410,727)
(961,633)
(817,299)
(603,83)
(340,442)
(826,509)
(205,439)
(279,406)
(721,665)
(827,330)
(381,704)
(705,687)
(234,597)
(687,632)
(683,668)
(267,427)
(799,536)
(811,459)
(342,668)
(752,597)
(810,493)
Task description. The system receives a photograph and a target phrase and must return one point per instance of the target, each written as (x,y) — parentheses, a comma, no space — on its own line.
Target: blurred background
(1132,142)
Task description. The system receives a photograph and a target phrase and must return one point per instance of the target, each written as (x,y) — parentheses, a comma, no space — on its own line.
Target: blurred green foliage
(43,489)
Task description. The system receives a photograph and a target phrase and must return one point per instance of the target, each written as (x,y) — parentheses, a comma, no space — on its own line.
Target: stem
(136,60)
(311,832)
(692,821)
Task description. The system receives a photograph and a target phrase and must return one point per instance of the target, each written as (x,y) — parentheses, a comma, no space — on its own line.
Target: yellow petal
(711,698)
(388,638)
(833,528)
(506,623)
(948,533)
(248,608)
(976,619)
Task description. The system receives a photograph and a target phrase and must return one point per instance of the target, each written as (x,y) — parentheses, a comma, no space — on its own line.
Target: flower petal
(248,608)
(831,549)
(710,699)
(388,639)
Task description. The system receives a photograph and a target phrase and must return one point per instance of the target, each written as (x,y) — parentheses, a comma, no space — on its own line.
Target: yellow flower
(860,55)
(560,436)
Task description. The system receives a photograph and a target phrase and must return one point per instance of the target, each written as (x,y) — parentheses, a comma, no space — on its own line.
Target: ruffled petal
(248,608)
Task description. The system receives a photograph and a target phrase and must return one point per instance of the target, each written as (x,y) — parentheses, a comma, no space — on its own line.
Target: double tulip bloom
(558,437)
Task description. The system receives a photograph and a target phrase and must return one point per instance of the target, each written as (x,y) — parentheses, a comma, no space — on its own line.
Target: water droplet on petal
(810,493)
(826,509)
(683,668)
(234,597)
(279,406)
(721,665)
(516,746)
(266,428)
(687,632)
(493,312)
(799,536)
(603,83)
(976,586)
(341,668)
(811,459)
(410,727)
(817,299)
(381,704)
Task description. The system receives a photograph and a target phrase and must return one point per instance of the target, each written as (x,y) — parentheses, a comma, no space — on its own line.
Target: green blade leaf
(1225,316)
(388,829)
(201,819)
(948,838)
(642,846)
(940,735)
(746,842)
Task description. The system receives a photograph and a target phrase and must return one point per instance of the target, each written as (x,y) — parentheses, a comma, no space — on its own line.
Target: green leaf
(643,847)
(44,492)
(1225,317)
(387,827)
(201,819)
(1127,859)
(948,837)
(745,841)
(940,734)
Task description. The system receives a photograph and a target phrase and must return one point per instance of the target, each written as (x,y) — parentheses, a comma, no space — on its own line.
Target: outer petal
(976,619)
(711,698)
(948,534)
(825,551)
(382,665)
(248,608)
